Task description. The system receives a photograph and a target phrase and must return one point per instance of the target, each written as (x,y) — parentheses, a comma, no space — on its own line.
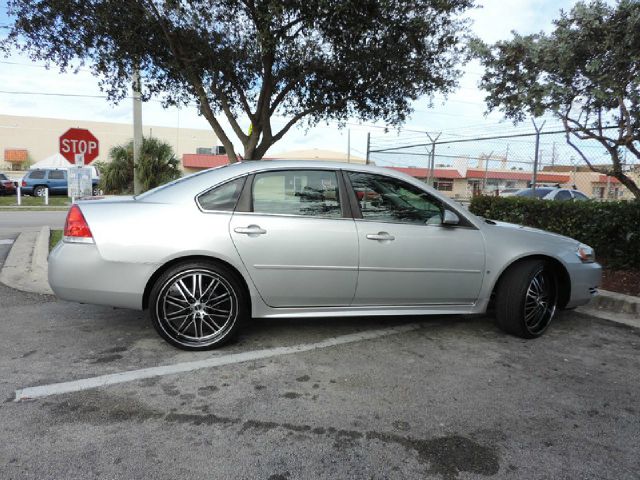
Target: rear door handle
(250,230)
(381,236)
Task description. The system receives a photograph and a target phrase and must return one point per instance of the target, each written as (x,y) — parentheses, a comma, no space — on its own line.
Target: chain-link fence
(462,167)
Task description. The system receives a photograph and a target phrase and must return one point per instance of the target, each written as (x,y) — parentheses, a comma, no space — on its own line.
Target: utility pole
(486,171)
(348,145)
(534,178)
(553,154)
(137,131)
(432,158)
(368,146)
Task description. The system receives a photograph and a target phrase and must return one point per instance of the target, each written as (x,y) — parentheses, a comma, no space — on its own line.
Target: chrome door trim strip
(306,267)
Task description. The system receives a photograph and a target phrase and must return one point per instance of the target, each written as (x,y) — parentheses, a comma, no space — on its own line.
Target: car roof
(205,179)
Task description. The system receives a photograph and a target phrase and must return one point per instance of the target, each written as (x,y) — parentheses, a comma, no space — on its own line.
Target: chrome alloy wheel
(540,302)
(196,307)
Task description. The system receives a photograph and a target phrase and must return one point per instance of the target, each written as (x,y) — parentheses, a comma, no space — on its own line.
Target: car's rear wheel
(197,305)
(95,191)
(526,298)
(39,191)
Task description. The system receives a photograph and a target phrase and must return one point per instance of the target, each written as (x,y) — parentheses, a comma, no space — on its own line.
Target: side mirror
(450,218)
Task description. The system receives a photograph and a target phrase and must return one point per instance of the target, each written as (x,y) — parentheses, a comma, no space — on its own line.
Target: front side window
(56,175)
(386,199)
(563,195)
(223,197)
(312,193)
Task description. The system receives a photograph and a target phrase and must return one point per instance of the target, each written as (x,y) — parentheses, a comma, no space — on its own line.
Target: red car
(7,187)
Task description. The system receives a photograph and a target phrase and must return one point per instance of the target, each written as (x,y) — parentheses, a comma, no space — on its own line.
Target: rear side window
(56,175)
(580,196)
(563,195)
(37,174)
(311,193)
(223,197)
(540,192)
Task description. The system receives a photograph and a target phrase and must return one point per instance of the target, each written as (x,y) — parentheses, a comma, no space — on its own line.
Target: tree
(586,73)
(158,165)
(256,59)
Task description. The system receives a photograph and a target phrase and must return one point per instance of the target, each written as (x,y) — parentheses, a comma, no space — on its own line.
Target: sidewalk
(26,265)
(26,269)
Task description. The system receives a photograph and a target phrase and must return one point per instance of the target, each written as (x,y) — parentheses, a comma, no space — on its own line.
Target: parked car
(549,193)
(211,250)
(37,181)
(7,186)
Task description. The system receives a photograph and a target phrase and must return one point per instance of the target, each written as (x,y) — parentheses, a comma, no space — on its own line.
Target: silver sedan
(274,239)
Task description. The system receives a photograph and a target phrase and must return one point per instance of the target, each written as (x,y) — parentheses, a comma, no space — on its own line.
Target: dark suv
(37,181)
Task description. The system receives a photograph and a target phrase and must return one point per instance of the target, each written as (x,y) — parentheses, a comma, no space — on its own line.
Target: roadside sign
(79,182)
(79,141)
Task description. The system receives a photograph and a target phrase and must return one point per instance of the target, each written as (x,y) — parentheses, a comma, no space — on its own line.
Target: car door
(297,239)
(57,181)
(407,256)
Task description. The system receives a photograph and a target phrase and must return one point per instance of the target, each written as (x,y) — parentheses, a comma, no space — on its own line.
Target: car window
(312,193)
(563,195)
(387,199)
(3,176)
(37,174)
(580,196)
(56,175)
(223,197)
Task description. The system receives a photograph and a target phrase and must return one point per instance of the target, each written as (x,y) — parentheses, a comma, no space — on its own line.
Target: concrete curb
(26,265)
(616,303)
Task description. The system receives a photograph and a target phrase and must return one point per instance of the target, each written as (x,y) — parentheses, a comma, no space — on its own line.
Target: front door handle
(250,230)
(381,236)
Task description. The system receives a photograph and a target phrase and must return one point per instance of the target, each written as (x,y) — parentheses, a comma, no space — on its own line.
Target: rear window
(540,192)
(37,174)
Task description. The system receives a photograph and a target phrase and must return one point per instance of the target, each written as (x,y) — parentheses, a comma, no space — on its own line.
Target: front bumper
(585,280)
(77,272)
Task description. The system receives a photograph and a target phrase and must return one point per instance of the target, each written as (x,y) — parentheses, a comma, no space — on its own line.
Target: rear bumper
(78,273)
(585,280)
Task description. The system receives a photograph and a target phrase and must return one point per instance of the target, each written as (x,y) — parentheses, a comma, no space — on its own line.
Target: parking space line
(6,241)
(32,393)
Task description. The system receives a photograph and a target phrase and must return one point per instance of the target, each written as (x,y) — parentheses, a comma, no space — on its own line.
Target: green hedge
(612,228)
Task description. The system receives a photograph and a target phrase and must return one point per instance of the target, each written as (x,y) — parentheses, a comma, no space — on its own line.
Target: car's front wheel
(198,305)
(39,191)
(527,298)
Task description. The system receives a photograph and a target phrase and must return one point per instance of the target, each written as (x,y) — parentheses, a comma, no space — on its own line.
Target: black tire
(186,315)
(39,191)
(526,298)
(95,191)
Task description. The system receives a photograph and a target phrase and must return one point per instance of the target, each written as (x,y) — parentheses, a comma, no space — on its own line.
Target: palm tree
(158,165)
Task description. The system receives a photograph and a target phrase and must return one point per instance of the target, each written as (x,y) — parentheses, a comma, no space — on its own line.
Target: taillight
(24,184)
(76,228)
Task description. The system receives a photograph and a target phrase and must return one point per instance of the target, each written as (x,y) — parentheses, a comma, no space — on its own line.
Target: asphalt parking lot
(449,398)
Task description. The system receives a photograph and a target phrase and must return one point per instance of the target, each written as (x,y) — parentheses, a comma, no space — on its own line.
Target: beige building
(39,138)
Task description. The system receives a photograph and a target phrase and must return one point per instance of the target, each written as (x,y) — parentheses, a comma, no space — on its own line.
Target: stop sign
(79,141)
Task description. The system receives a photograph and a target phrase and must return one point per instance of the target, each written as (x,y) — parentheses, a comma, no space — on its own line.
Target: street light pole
(137,131)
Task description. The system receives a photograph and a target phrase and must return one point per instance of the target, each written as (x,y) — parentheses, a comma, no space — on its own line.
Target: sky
(462,114)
